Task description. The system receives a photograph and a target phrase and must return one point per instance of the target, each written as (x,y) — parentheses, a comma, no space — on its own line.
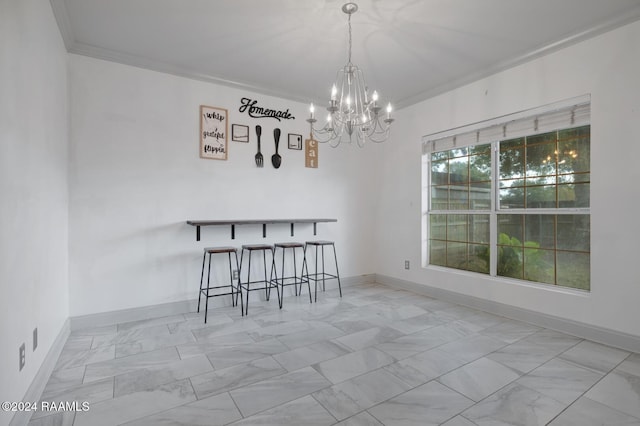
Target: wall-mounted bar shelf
(263,222)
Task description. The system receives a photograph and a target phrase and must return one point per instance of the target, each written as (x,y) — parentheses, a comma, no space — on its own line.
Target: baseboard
(358,280)
(174,308)
(594,333)
(132,314)
(42,376)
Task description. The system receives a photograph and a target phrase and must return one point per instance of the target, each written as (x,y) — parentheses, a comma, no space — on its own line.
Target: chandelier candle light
(351,110)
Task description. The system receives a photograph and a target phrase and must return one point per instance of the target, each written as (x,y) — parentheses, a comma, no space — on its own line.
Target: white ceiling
(409,50)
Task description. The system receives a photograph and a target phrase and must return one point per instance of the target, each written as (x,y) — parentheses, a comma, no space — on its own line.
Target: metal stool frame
(321,276)
(205,290)
(267,281)
(296,280)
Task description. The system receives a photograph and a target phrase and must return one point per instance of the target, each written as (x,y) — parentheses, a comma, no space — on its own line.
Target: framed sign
(295,141)
(311,153)
(239,133)
(213,132)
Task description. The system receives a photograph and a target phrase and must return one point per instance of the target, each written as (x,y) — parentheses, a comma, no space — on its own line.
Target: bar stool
(317,276)
(250,248)
(211,251)
(282,281)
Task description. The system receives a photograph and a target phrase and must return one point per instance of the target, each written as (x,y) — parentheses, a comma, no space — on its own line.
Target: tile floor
(378,356)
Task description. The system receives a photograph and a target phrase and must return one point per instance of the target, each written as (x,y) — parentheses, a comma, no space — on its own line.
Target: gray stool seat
(216,250)
(319,245)
(211,290)
(257,247)
(289,245)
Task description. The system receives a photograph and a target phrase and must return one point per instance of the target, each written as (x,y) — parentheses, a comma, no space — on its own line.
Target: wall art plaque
(311,153)
(213,132)
(239,133)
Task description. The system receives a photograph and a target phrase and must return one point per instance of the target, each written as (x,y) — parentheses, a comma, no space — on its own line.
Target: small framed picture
(239,133)
(295,141)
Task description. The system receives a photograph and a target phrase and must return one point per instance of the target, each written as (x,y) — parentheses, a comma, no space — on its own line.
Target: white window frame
(562,115)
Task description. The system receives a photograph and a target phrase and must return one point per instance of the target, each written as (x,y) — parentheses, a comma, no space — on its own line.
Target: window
(461,189)
(531,222)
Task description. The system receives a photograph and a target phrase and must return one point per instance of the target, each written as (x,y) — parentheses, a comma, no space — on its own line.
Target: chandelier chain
(349,38)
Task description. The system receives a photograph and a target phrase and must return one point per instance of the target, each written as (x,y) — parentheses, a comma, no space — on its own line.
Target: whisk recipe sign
(213,132)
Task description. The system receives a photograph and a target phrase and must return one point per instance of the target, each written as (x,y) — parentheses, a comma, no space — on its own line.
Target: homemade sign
(251,107)
(213,132)
(311,153)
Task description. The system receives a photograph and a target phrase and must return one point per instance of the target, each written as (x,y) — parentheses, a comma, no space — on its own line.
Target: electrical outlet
(35,338)
(406,264)
(23,355)
(235,274)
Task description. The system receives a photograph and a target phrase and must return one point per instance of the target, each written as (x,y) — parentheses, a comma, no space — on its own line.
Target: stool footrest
(268,284)
(203,291)
(294,280)
(319,276)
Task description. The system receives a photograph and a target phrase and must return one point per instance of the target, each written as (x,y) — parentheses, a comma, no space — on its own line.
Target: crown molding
(604,27)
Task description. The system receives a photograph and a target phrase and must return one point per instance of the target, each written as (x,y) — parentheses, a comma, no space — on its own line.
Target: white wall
(136,177)
(607,67)
(33,189)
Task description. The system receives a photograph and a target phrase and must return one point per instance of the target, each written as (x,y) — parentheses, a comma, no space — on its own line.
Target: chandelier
(353,114)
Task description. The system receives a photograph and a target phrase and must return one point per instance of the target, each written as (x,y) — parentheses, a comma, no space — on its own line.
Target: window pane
(440,197)
(459,170)
(439,172)
(480,168)
(574,149)
(439,177)
(570,195)
(442,155)
(438,227)
(541,155)
(512,159)
(540,230)
(480,196)
(478,258)
(510,262)
(574,232)
(438,253)
(539,265)
(512,198)
(479,228)
(458,152)
(553,158)
(571,178)
(459,197)
(511,226)
(457,227)
(484,149)
(574,270)
(540,181)
(582,193)
(541,197)
(457,255)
